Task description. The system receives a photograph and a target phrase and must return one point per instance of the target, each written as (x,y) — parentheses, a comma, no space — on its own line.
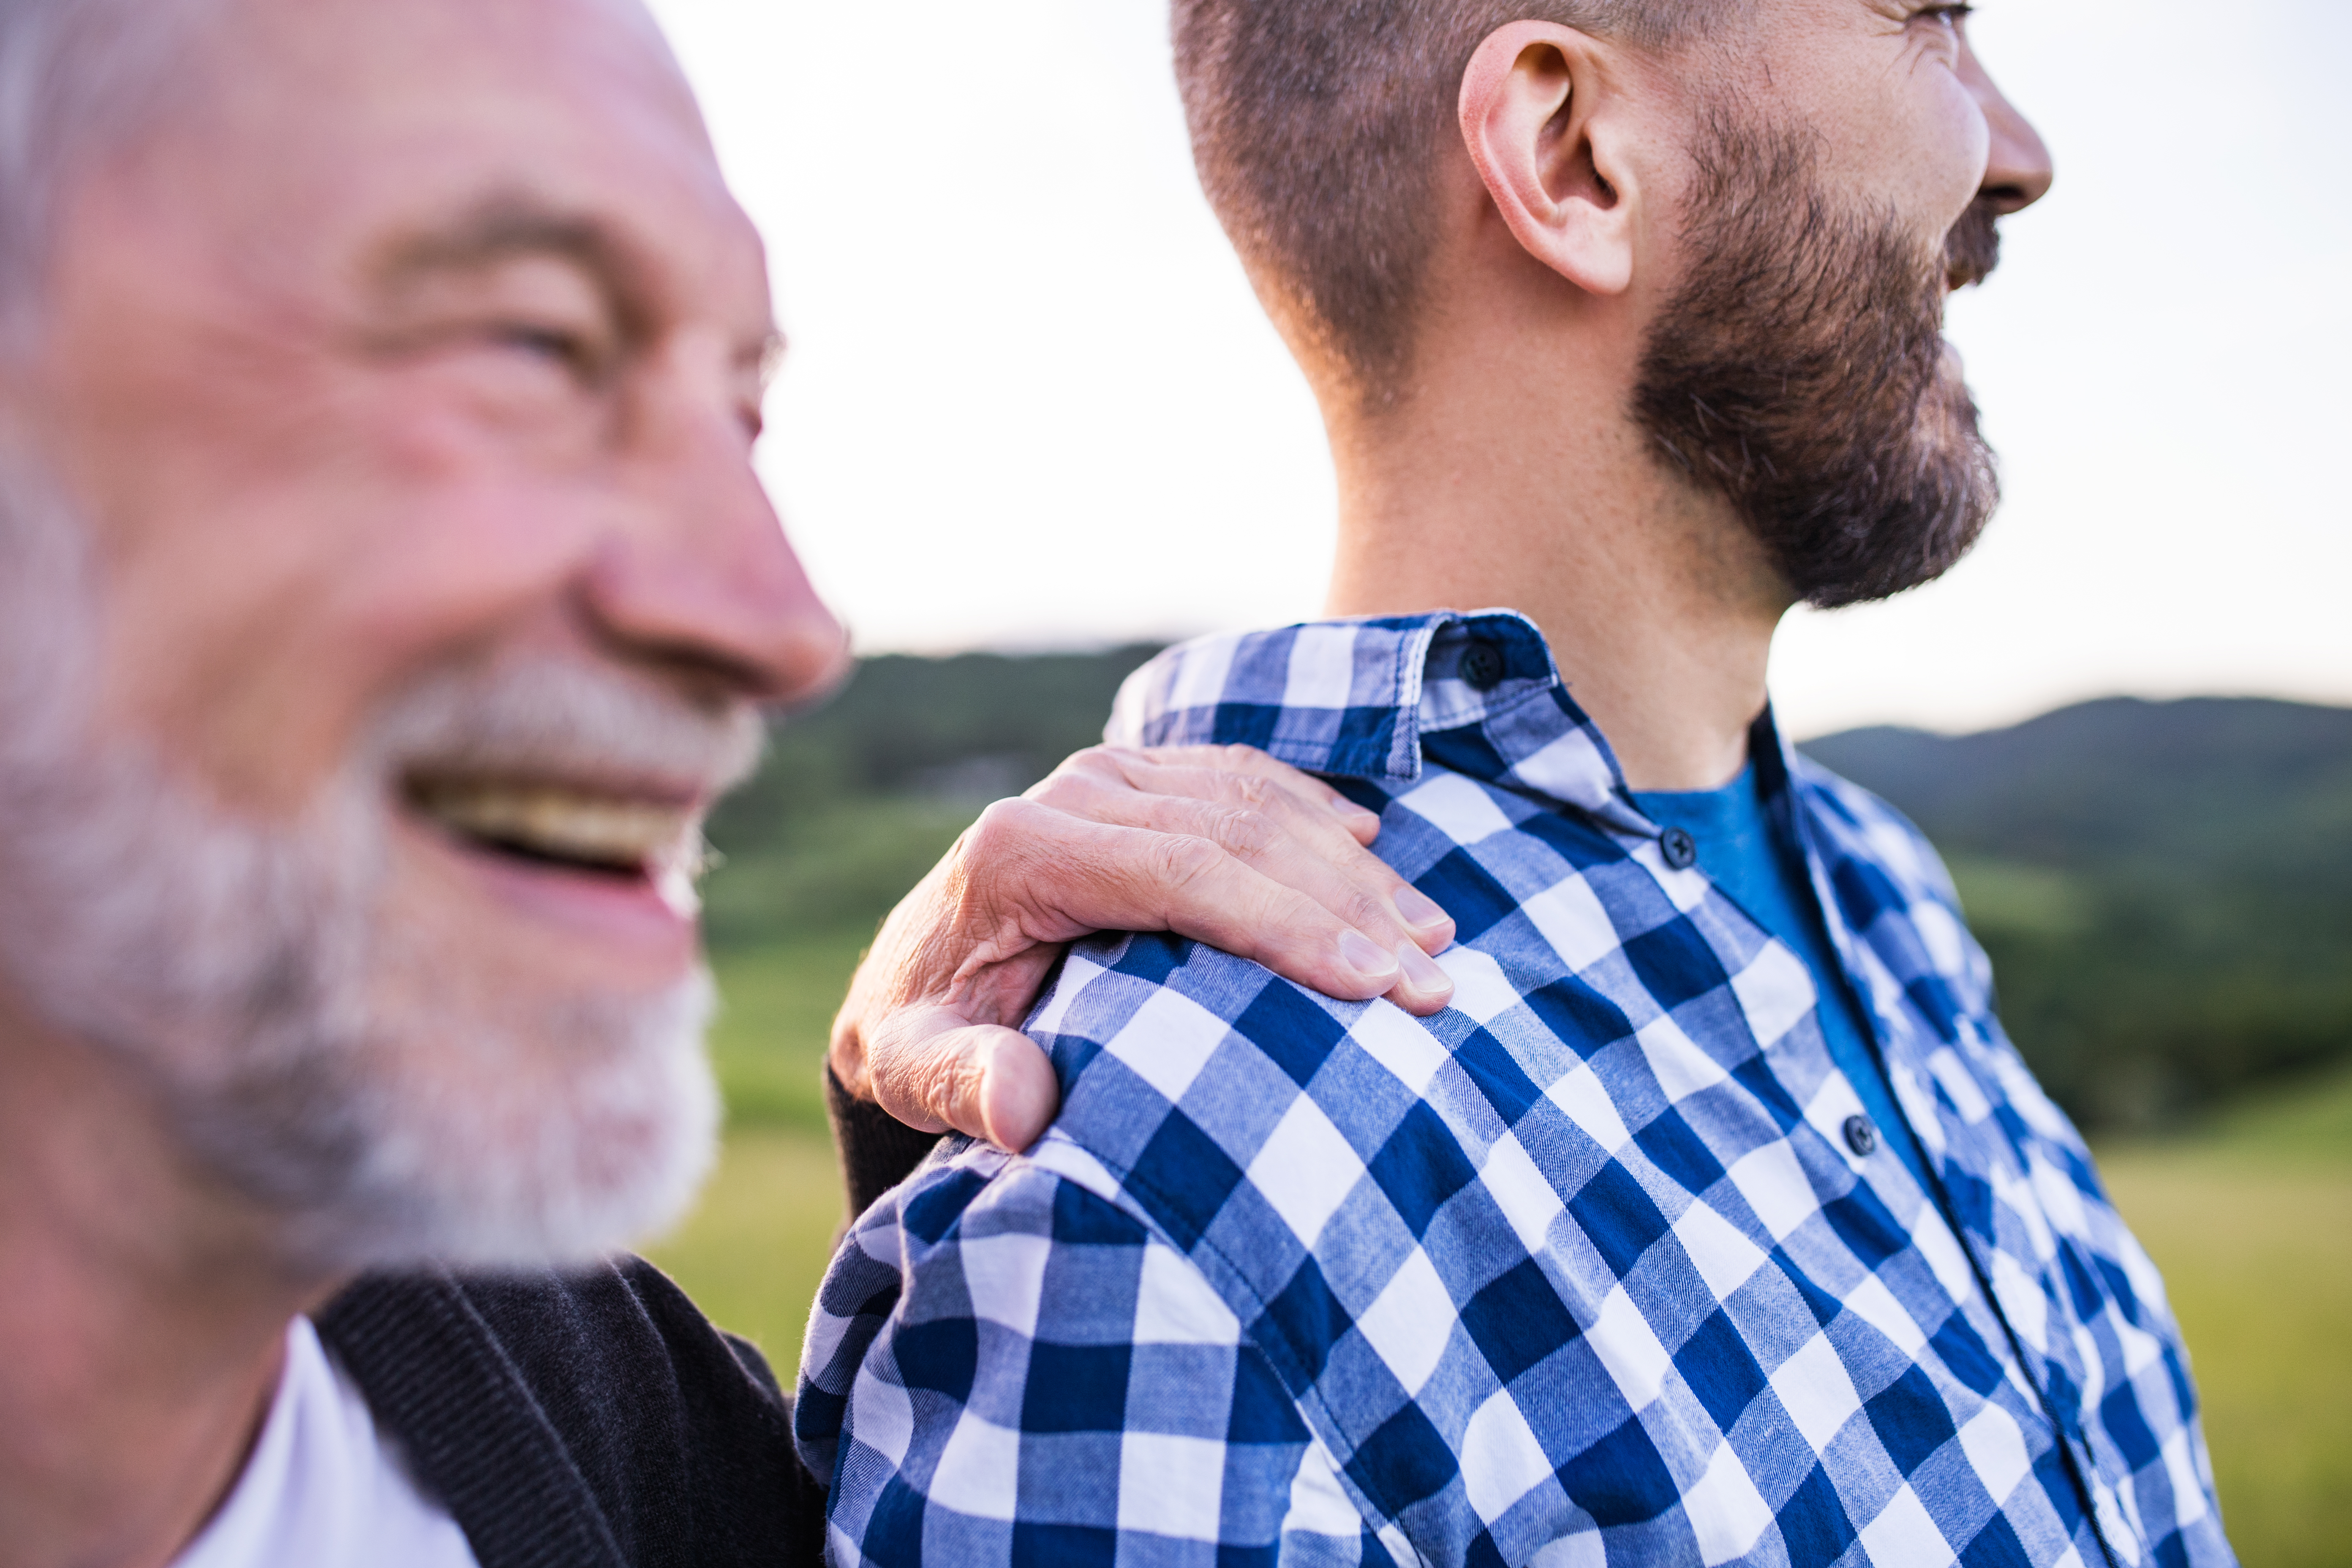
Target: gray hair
(78,79)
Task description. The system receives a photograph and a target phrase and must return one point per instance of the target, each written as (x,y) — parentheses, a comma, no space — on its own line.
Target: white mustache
(562,719)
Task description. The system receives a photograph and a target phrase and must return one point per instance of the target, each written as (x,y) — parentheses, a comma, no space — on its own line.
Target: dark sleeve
(583,1419)
(877,1150)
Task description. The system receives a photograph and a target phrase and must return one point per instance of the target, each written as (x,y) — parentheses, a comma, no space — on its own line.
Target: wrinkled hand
(1222,844)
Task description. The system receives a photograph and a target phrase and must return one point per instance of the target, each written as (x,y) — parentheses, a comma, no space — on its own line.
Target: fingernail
(1417,907)
(1343,806)
(1420,970)
(1362,954)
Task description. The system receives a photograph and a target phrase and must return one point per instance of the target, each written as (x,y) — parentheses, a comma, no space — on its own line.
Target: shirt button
(1861,1137)
(1679,847)
(1482,667)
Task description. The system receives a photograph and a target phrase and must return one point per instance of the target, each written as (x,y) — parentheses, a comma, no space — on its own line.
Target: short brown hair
(1316,125)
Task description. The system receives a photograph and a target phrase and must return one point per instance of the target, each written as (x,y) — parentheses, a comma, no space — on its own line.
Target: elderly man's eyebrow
(499,230)
(509,228)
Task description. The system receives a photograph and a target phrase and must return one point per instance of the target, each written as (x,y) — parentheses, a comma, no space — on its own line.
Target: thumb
(932,1070)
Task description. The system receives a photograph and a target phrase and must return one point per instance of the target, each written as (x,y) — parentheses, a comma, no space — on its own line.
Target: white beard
(386,1101)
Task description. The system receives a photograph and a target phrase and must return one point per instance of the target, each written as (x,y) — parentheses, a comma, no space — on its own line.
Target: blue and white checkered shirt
(1592,1267)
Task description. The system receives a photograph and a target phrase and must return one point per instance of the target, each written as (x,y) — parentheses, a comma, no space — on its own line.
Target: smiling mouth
(571,826)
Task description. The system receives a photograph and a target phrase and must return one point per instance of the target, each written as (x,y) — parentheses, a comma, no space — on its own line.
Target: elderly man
(386,592)
(1717,1220)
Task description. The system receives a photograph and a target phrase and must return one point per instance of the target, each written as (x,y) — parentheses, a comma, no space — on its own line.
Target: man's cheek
(478,408)
(1952,144)
(255,645)
(1909,133)
(213,647)
(451,567)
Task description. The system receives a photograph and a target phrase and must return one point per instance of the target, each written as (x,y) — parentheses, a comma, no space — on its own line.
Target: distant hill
(2220,785)
(2165,888)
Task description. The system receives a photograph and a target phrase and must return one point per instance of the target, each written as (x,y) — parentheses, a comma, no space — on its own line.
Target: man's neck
(1507,480)
(145,1332)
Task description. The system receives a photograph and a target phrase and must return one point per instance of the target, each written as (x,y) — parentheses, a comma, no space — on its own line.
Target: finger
(1018,1089)
(1247,913)
(1157,772)
(1219,899)
(1286,840)
(1425,988)
(1248,762)
(1306,813)
(933,1070)
(1056,876)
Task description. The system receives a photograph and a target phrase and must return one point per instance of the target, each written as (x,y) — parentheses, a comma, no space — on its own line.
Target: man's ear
(1535,115)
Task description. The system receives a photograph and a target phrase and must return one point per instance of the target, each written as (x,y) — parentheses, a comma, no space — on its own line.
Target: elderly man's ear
(1550,129)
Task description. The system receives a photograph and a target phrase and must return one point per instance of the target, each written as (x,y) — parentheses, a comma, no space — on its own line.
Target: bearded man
(1716,1220)
(386,592)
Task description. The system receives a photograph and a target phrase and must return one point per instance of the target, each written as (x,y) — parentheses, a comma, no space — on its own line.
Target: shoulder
(1179,1064)
(604,1393)
(1287,1145)
(992,1303)
(1006,1363)
(971,1232)
(623,1315)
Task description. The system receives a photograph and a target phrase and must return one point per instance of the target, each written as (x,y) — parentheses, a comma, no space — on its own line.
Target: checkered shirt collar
(1372,697)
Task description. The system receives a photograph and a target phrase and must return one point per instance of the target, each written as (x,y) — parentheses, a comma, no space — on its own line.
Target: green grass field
(2250,1221)
(774,1017)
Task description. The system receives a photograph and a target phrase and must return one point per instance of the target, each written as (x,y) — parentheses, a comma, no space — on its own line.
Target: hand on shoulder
(1220,844)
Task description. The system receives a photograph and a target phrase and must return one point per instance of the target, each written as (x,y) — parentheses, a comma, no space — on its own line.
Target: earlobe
(1533,118)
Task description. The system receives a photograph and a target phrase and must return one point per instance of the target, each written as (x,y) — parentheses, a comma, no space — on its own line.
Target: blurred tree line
(2165,888)
(858,799)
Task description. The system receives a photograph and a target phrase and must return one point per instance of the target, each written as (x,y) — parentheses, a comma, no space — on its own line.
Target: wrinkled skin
(1220,844)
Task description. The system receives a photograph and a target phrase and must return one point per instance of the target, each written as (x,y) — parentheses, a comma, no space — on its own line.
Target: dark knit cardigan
(598,1419)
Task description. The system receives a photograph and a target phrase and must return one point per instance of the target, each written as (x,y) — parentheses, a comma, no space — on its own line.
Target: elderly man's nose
(706,581)
(2017,174)
(748,618)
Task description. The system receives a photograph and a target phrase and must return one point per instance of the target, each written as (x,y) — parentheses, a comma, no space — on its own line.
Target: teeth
(566,824)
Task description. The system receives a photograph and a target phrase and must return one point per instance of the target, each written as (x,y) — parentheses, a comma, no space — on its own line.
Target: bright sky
(1029,401)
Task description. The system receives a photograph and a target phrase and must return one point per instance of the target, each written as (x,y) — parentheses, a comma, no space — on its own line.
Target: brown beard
(1800,371)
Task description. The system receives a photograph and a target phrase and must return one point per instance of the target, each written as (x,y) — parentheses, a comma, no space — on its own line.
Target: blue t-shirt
(1752,860)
